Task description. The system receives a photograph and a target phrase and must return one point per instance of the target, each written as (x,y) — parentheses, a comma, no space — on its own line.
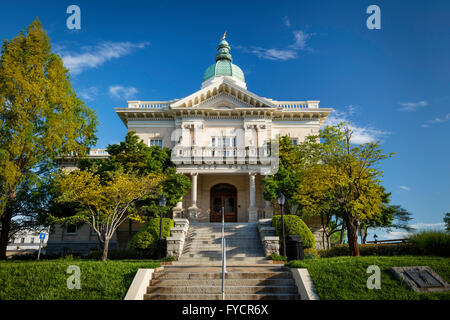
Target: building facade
(222,136)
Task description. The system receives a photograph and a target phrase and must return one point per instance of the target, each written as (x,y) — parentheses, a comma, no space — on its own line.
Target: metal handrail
(224,254)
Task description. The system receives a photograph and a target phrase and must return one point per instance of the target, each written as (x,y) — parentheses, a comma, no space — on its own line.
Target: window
(71,228)
(156,142)
(22,240)
(223,141)
(294,141)
(31,240)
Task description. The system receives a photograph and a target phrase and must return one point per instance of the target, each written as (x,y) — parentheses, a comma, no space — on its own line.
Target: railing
(148,104)
(297,104)
(224,254)
(98,152)
(389,241)
(220,155)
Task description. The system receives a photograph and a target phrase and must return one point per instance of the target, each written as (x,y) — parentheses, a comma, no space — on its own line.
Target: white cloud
(421,225)
(89,93)
(273,54)
(360,134)
(394,235)
(93,57)
(300,39)
(436,120)
(412,106)
(290,52)
(120,92)
(405,188)
(286,21)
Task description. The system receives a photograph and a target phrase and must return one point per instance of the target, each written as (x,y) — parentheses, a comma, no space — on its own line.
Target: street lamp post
(162,204)
(281,201)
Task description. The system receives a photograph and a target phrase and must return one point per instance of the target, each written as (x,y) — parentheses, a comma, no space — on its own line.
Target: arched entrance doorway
(223,195)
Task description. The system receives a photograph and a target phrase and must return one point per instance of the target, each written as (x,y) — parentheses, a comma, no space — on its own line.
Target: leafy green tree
(391,217)
(134,156)
(40,117)
(292,161)
(105,205)
(447,221)
(347,180)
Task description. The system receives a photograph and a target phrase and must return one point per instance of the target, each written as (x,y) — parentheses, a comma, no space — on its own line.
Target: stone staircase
(197,275)
(204,244)
(264,282)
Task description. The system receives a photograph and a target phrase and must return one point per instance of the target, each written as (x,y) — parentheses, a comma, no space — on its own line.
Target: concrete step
(190,289)
(219,255)
(219,249)
(269,296)
(270,275)
(218,282)
(234,261)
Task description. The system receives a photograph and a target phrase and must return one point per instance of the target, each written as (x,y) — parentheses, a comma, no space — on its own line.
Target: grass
(344,278)
(47,279)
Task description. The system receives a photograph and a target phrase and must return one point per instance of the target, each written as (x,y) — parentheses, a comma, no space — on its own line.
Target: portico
(241,194)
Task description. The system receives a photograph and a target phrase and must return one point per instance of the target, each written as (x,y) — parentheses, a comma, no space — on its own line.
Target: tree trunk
(6,228)
(352,236)
(341,240)
(105,249)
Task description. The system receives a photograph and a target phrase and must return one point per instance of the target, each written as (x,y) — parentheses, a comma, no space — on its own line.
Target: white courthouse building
(219,136)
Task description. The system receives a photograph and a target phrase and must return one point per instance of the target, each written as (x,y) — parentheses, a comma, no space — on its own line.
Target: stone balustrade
(175,243)
(220,155)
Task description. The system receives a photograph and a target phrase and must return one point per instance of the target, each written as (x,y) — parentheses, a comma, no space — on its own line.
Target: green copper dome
(223,65)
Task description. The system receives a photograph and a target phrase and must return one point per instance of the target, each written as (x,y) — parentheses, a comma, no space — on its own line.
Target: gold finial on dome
(224,36)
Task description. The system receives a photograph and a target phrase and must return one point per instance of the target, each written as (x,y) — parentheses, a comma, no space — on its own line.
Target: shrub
(431,242)
(146,239)
(120,254)
(293,225)
(277,257)
(169,258)
(311,253)
(372,249)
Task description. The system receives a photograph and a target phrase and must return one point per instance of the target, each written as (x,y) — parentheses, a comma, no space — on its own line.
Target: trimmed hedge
(120,254)
(428,243)
(373,249)
(146,239)
(293,225)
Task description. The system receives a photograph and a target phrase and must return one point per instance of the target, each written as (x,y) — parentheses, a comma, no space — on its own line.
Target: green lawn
(344,278)
(47,279)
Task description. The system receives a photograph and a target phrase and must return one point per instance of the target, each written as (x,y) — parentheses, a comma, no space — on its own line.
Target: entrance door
(223,195)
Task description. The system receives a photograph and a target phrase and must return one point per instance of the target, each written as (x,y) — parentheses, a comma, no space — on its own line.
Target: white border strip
(305,285)
(139,285)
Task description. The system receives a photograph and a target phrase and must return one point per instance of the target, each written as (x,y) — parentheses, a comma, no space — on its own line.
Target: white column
(252,210)
(193,210)
(252,189)
(194,190)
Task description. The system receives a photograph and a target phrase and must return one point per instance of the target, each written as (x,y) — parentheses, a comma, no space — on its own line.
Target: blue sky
(393,84)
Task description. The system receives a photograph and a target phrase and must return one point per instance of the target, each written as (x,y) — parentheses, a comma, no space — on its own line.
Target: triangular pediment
(222,94)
